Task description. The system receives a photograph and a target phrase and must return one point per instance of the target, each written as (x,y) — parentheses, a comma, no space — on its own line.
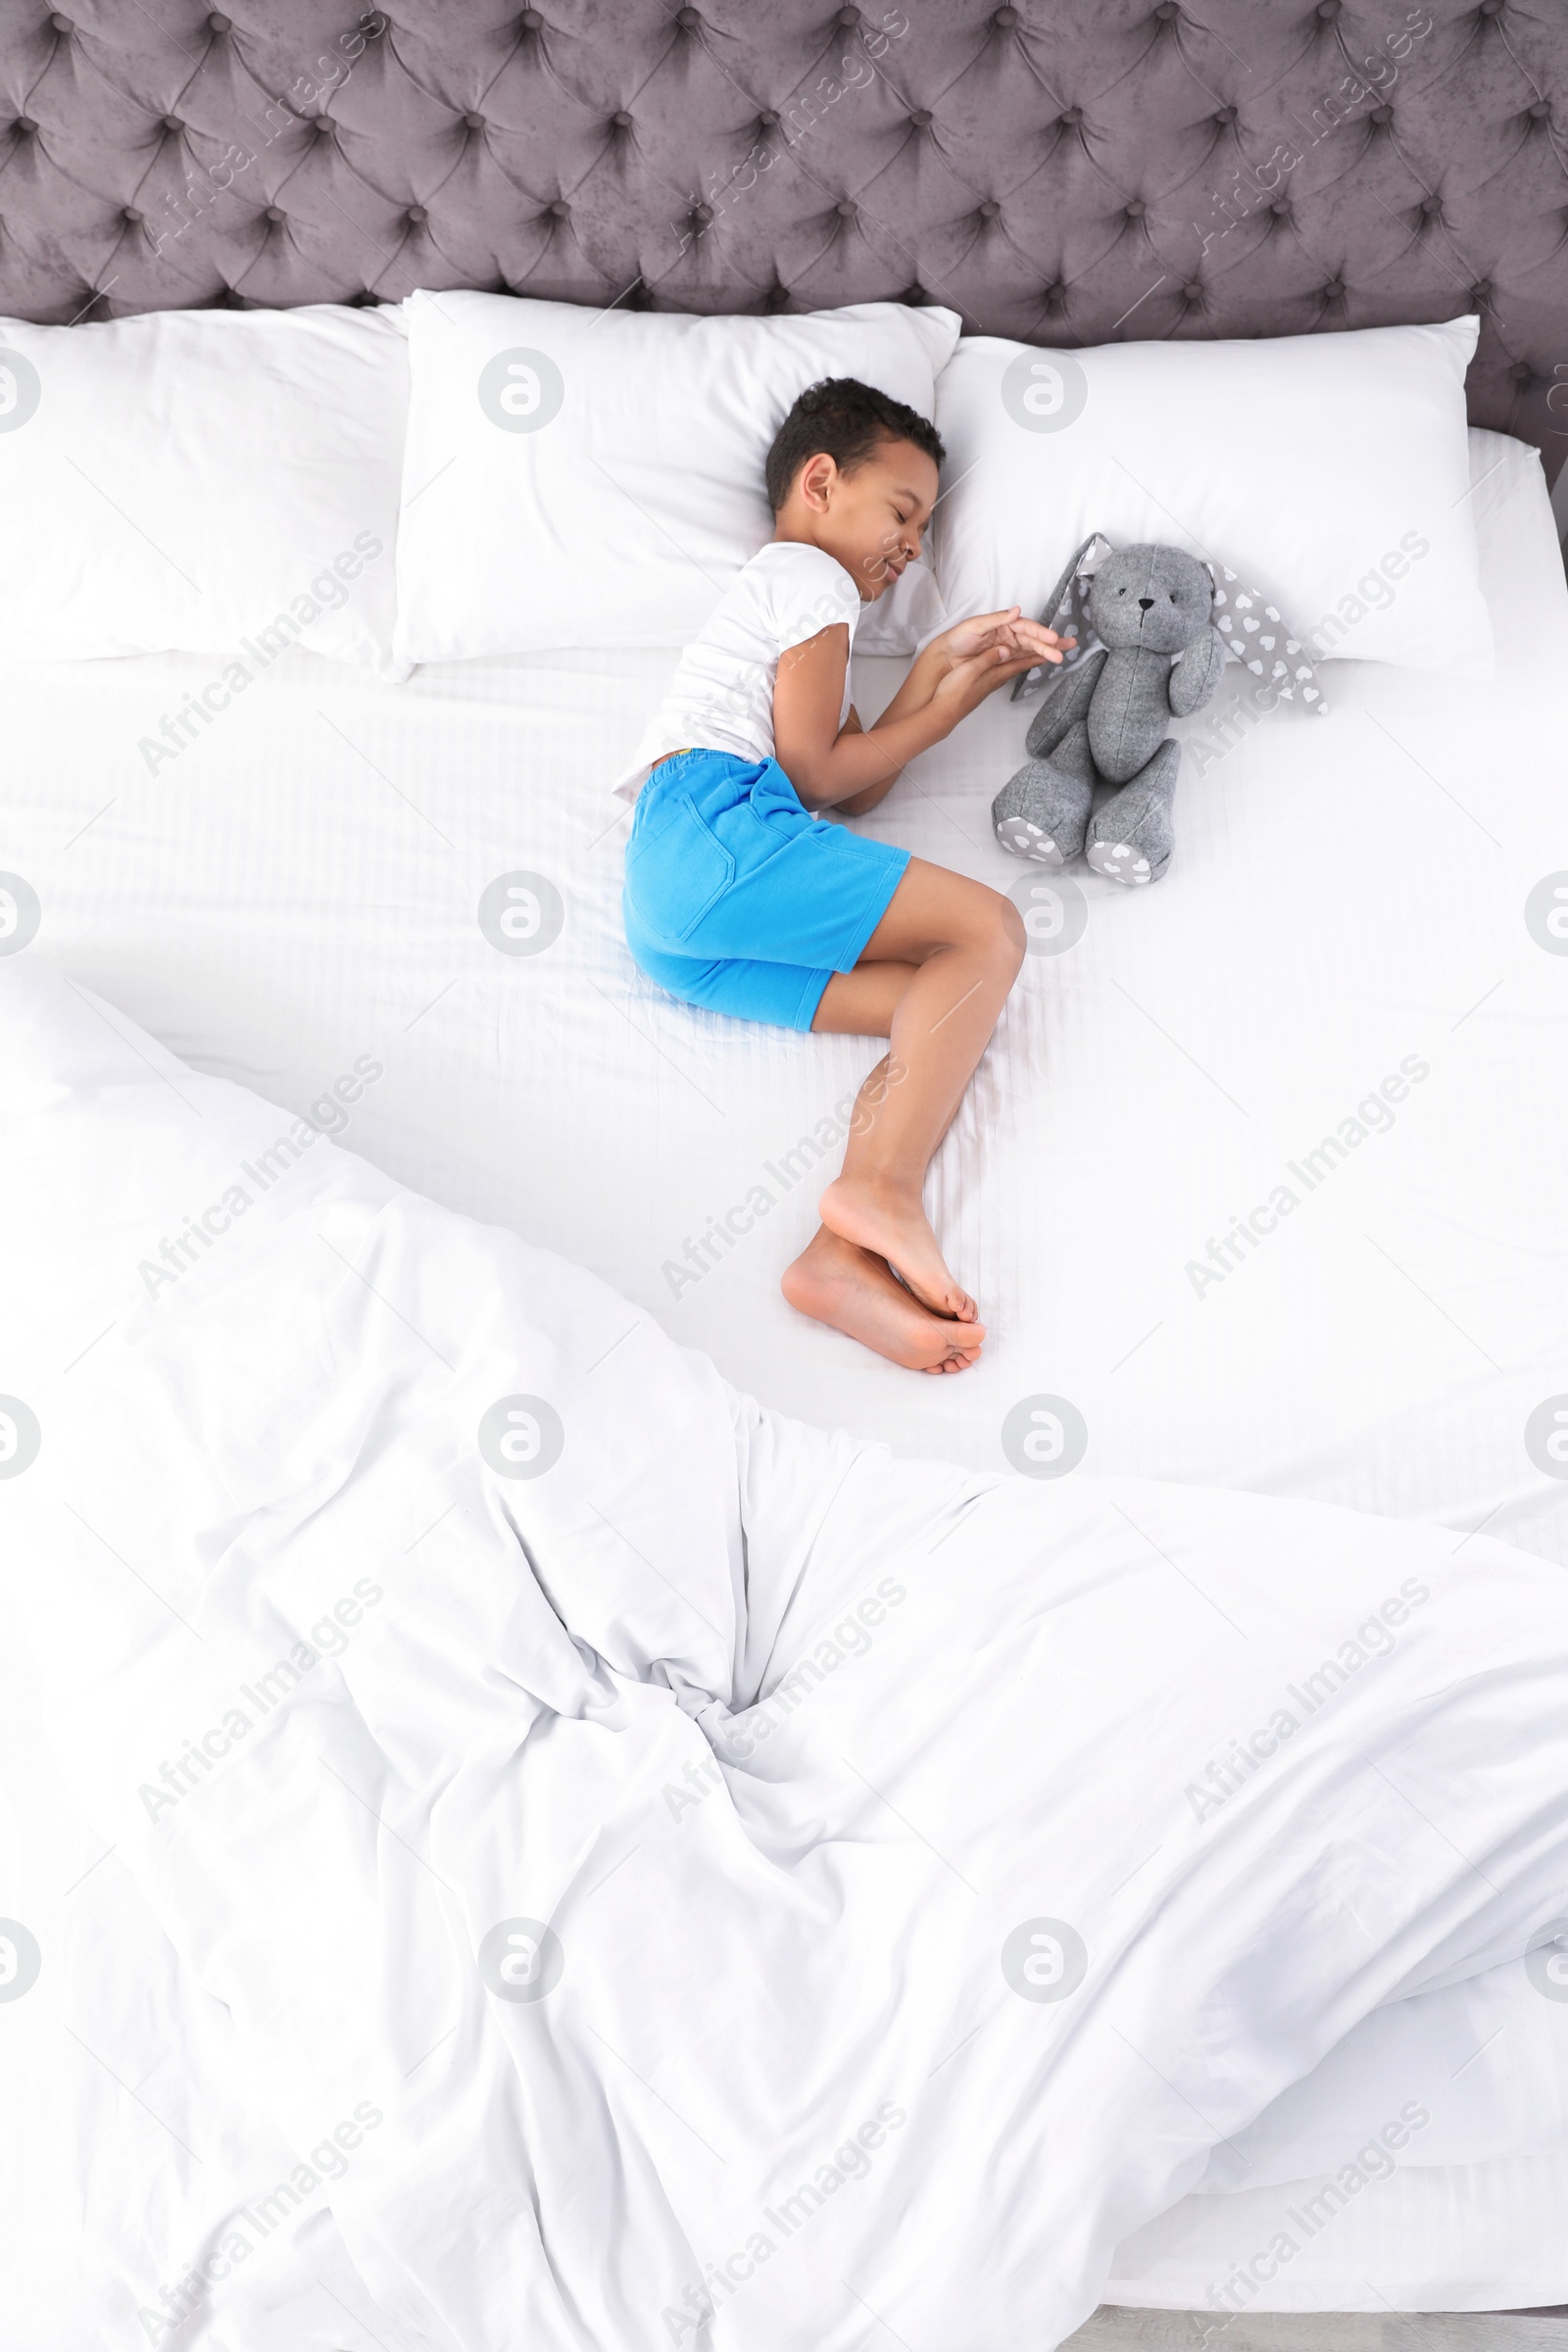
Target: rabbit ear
(1087,560)
(1254,630)
(1067,612)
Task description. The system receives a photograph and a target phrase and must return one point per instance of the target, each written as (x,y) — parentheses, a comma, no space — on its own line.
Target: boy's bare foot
(892,1226)
(835,1283)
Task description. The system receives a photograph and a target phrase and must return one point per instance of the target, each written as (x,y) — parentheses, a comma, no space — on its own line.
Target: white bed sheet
(299,887)
(298,890)
(1449,2238)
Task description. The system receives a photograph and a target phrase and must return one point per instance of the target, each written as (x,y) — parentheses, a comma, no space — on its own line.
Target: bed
(257,915)
(302,896)
(304,886)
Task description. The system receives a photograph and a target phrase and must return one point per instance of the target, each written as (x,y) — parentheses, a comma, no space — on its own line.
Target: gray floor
(1113,2331)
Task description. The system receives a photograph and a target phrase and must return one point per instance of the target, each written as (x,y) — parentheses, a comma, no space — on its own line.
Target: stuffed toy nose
(1144,602)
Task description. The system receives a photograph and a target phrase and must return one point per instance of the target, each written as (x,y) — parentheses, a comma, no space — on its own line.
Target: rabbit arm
(1066,702)
(1195,675)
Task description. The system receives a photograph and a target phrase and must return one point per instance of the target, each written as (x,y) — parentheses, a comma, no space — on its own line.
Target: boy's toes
(940,1298)
(958,1358)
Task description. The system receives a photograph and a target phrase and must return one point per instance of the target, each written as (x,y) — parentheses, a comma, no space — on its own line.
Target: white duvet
(573,1859)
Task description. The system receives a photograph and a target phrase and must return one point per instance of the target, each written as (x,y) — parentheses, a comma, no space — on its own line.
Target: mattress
(305,883)
(421,886)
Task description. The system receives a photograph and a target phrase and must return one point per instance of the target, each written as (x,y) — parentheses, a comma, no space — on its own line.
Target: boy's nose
(1144,602)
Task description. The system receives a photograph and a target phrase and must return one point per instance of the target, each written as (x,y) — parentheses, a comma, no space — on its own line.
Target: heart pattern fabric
(1290,669)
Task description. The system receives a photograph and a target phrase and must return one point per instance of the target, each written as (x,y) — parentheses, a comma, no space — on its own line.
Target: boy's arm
(919,682)
(833,768)
(859,803)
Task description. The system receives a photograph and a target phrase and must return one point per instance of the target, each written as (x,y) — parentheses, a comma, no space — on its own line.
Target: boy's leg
(832,1280)
(862,1003)
(964,944)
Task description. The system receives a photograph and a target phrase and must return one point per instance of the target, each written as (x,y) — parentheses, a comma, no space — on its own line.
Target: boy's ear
(812,479)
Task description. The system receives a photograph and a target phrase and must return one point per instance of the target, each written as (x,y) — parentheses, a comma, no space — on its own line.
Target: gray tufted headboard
(1063,171)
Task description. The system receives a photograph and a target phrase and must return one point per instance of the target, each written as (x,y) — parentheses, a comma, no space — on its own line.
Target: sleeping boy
(740,897)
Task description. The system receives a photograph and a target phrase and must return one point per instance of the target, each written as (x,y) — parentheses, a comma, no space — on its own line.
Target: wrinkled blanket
(664,1874)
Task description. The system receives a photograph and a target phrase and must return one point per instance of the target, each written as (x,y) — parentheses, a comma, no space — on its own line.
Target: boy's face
(871,517)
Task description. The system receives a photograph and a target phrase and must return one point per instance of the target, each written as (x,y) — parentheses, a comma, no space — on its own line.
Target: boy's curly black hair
(847,420)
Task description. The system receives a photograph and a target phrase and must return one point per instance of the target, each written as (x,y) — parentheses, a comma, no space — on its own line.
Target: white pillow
(579,477)
(1331,469)
(203,482)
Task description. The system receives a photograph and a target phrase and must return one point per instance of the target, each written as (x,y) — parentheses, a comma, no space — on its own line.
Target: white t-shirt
(721,696)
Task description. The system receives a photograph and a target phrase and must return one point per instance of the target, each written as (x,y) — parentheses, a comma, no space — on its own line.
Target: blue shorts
(738,899)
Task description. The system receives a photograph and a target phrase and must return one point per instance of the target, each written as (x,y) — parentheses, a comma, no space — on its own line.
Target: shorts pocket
(676,870)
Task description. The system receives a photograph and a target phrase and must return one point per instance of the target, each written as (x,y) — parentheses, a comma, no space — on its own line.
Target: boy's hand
(966,683)
(1008,632)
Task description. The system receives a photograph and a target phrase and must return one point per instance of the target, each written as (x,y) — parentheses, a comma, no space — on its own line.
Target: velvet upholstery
(1063,171)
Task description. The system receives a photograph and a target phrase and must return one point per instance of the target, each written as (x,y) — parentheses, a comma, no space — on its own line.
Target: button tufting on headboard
(1287,169)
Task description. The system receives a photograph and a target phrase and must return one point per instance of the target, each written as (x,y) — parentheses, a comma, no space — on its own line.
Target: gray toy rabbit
(1104,720)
